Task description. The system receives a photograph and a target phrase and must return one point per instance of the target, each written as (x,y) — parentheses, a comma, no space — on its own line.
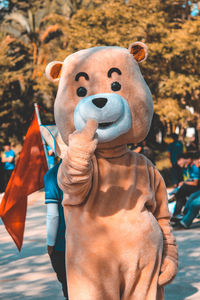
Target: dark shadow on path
(188,277)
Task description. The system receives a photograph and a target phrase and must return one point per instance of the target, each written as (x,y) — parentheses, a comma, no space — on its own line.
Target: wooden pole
(43,141)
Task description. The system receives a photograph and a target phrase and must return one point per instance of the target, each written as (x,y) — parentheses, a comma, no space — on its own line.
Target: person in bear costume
(119,241)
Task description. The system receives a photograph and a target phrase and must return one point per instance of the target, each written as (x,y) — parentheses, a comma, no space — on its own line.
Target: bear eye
(115,86)
(81,91)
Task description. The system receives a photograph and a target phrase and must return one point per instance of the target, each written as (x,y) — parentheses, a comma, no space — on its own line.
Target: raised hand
(85,140)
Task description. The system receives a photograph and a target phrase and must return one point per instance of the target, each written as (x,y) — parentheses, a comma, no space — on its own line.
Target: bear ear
(53,70)
(139,51)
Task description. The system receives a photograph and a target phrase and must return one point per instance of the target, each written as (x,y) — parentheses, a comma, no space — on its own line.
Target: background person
(8,159)
(55,226)
(187,187)
(191,211)
(1,177)
(174,150)
(181,165)
(184,160)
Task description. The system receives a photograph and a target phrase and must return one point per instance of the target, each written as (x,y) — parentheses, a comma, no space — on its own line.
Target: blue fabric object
(191,173)
(51,158)
(192,209)
(9,165)
(189,201)
(195,10)
(194,172)
(53,194)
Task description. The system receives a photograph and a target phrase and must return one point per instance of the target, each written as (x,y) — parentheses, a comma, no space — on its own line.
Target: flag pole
(43,141)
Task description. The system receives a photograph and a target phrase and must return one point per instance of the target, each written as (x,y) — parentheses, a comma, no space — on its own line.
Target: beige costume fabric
(119,242)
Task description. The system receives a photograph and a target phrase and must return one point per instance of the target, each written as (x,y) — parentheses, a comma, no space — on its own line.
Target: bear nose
(100,102)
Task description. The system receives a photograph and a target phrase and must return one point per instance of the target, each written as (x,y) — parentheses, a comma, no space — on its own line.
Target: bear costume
(119,242)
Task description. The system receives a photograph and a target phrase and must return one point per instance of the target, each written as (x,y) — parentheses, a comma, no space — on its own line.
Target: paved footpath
(28,274)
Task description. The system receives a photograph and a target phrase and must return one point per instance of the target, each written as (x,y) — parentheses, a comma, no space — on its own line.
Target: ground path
(28,274)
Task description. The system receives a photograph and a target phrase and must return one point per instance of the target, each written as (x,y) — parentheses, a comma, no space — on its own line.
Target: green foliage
(24,57)
(14,87)
(42,31)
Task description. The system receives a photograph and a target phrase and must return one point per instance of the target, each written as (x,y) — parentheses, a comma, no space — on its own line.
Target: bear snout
(99,102)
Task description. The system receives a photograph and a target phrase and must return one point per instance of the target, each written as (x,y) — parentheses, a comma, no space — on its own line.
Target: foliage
(24,59)
(172,69)
(52,29)
(14,87)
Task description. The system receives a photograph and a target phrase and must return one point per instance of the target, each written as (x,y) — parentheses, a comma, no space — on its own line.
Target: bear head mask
(104,84)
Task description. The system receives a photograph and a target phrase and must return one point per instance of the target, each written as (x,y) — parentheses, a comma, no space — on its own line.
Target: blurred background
(35,32)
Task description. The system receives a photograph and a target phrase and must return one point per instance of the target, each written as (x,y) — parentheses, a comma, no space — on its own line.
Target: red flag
(27,177)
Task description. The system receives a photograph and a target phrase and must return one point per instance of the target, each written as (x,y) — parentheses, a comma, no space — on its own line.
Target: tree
(24,59)
(181,80)
(168,29)
(29,24)
(171,33)
(14,82)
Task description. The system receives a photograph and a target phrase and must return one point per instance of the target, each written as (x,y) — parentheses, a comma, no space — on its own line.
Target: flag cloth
(27,177)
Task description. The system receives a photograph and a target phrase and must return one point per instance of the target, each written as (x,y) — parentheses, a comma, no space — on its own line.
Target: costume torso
(106,229)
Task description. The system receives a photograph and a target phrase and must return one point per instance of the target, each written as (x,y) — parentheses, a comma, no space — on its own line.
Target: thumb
(90,129)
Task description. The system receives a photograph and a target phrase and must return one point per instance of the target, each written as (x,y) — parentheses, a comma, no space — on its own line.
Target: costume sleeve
(162,215)
(75,176)
(53,196)
(76,171)
(52,222)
